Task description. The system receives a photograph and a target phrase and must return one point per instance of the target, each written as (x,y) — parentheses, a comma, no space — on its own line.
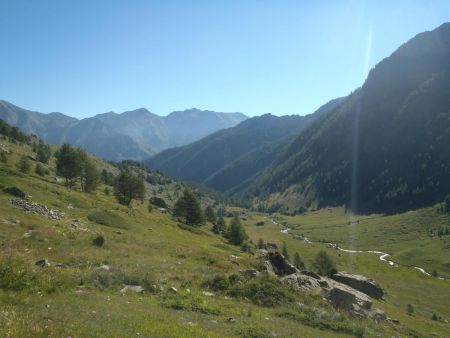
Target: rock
(42,263)
(40,209)
(103,267)
(303,282)
(172,290)
(346,298)
(250,272)
(208,294)
(263,252)
(162,210)
(360,283)
(377,316)
(27,234)
(61,266)
(272,246)
(231,320)
(311,274)
(134,288)
(281,265)
(267,267)
(15,192)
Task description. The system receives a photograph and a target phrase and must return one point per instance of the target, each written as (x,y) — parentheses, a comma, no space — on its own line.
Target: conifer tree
(237,233)
(188,208)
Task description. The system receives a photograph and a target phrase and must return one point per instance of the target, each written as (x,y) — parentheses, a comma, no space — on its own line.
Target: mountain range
(230,159)
(135,134)
(383,148)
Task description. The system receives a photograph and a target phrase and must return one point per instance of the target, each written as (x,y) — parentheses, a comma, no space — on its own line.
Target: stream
(382,255)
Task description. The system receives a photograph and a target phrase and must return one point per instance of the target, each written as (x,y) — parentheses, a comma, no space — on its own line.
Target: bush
(150,207)
(39,170)
(409,309)
(98,241)
(260,223)
(108,218)
(218,283)
(14,275)
(264,291)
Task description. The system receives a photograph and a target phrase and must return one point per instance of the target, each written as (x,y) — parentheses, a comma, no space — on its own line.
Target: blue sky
(281,57)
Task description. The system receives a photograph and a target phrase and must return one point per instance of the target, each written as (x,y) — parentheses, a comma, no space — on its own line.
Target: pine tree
(285,252)
(43,152)
(39,169)
(68,164)
(298,262)
(127,187)
(24,165)
(188,208)
(323,264)
(210,214)
(89,175)
(237,233)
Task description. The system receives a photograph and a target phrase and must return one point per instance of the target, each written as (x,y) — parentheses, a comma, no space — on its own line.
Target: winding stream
(382,255)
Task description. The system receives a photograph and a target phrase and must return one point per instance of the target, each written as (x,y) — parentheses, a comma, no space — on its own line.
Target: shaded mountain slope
(229,158)
(386,148)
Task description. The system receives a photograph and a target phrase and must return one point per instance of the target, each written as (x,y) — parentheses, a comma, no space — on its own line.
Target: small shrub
(434,317)
(218,283)
(265,291)
(150,207)
(409,309)
(98,241)
(260,223)
(39,170)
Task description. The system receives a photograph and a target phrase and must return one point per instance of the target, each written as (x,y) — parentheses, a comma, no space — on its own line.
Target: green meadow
(79,293)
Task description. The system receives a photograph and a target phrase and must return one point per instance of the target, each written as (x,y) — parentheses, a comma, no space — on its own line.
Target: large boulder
(303,282)
(360,283)
(349,299)
(280,264)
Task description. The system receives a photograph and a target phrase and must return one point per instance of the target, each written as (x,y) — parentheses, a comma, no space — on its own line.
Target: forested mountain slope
(386,148)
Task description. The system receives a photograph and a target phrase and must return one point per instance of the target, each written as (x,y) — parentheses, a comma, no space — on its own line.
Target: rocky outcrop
(360,283)
(341,296)
(346,298)
(280,264)
(37,208)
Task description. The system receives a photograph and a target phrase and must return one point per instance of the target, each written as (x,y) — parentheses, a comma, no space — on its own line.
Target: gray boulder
(346,298)
(360,283)
(303,282)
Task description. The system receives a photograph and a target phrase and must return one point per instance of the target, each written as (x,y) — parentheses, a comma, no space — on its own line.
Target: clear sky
(84,57)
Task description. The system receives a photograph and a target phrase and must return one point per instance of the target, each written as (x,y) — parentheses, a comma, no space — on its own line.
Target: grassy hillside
(79,293)
(405,236)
